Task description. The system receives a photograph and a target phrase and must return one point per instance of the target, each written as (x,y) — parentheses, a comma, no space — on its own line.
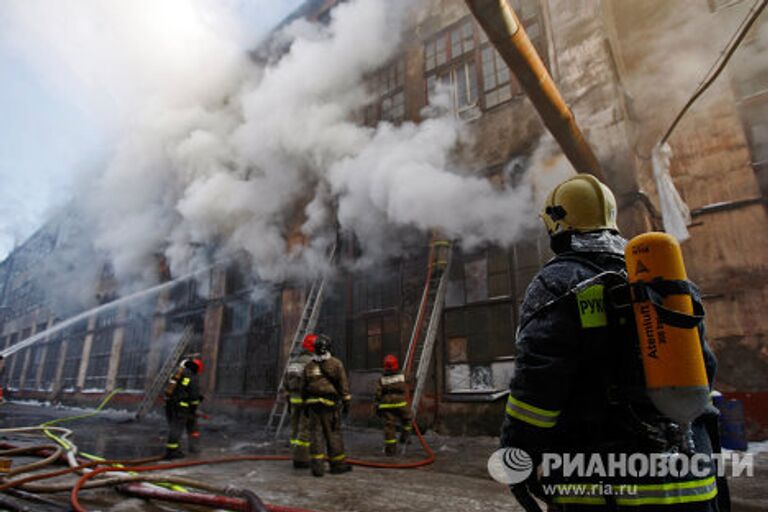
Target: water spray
(98,309)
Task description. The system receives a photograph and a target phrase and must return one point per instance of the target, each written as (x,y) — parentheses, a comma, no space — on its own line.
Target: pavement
(457,481)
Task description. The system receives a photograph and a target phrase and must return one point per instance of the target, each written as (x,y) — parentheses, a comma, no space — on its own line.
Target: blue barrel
(733,433)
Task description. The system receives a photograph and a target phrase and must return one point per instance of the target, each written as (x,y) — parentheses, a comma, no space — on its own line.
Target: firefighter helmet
(309,342)
(322,344)
(195,364)
(390,363)
(579,204)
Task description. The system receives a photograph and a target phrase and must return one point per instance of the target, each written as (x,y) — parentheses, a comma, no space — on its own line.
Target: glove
(345,410)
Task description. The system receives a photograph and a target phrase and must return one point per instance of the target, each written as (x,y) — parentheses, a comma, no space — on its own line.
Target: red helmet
(195,364)
(390,363)
(309,342)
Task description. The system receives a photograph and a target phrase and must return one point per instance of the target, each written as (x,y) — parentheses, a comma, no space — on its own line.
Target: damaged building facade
(622,68)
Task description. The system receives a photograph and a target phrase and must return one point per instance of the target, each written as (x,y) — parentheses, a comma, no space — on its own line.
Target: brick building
(622,67)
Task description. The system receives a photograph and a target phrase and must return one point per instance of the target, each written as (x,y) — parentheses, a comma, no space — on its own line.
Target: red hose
(160,467)
(403,465)
(195,498)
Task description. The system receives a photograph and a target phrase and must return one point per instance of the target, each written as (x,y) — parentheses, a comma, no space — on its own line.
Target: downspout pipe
(507,34)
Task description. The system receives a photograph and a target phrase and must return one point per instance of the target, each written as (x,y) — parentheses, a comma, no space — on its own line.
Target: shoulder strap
(655,292)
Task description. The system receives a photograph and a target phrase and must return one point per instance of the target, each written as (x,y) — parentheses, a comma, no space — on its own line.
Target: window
(450,44)
(248,349)
(52,358)
(450,60)
(376,293)
(75,337)
(393,108)
(37,351)
(98,361)
(236,317)
(479,277)
(498,83)
(387,86)
(375,336)
(475,337)
(17,368)
(132,369)
(375,324)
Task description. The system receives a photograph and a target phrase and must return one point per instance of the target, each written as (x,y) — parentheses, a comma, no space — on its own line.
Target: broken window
(475,337)
(480,276)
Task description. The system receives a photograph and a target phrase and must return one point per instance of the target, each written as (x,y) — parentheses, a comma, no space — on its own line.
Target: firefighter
(326,391)
(294,383)
(391,406)
(578,385)
(182,396)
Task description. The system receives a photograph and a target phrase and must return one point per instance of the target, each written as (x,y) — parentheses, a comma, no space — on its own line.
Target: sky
(56,119)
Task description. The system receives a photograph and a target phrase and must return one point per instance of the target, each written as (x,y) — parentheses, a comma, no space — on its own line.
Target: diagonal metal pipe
(507,34)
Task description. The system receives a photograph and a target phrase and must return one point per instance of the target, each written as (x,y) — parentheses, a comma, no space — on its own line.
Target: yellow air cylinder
(673,363)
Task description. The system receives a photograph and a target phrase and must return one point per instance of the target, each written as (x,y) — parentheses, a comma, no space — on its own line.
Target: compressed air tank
(673,362)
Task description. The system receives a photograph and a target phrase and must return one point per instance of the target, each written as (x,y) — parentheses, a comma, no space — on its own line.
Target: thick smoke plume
(217,156)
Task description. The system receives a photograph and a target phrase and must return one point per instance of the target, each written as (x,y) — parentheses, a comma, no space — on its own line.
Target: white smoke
(218,157)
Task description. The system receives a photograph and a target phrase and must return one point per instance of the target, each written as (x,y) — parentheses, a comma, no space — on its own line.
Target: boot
(175,453)
(194,441)
(300,464)
(390,449)
(318,468)
(341,467)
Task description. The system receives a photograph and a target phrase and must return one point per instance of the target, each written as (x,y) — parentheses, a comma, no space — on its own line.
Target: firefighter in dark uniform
(326,390)
(578,386)
(294,384)
(182,396)
(391,406)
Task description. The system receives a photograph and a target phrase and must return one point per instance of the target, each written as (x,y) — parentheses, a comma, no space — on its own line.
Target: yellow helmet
(581,204)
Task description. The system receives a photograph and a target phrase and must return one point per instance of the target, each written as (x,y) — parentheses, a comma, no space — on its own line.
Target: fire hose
(127,483)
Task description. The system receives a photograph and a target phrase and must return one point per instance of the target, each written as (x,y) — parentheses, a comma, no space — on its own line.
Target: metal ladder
(311,312)
(165,372)
(424,333)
